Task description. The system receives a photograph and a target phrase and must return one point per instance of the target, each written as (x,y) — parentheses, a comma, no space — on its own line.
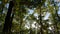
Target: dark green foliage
(44,17)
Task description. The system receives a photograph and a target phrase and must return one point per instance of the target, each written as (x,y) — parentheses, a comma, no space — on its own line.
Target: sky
(59,8)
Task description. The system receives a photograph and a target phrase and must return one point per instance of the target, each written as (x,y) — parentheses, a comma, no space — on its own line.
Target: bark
(55,22)
(41,22)
(8,19)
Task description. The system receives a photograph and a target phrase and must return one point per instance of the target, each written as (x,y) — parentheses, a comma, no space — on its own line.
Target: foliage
(26,23)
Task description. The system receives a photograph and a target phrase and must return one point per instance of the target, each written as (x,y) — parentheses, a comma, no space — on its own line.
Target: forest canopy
(30,16)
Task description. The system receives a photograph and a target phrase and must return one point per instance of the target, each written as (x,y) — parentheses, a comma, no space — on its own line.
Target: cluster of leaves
(26,23)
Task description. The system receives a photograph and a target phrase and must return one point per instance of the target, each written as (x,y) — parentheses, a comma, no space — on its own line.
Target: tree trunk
(8,19)
(40,20)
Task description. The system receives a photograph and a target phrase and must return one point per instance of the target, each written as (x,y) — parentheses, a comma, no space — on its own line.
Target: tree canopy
(30,16)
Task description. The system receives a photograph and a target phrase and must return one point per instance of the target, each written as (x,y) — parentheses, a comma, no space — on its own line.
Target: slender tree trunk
(21,20)
(8,19)
(56,28)
(56,16)
(40,18)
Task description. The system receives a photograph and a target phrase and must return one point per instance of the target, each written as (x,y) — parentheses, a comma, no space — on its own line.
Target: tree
(30,17)
(8,19)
